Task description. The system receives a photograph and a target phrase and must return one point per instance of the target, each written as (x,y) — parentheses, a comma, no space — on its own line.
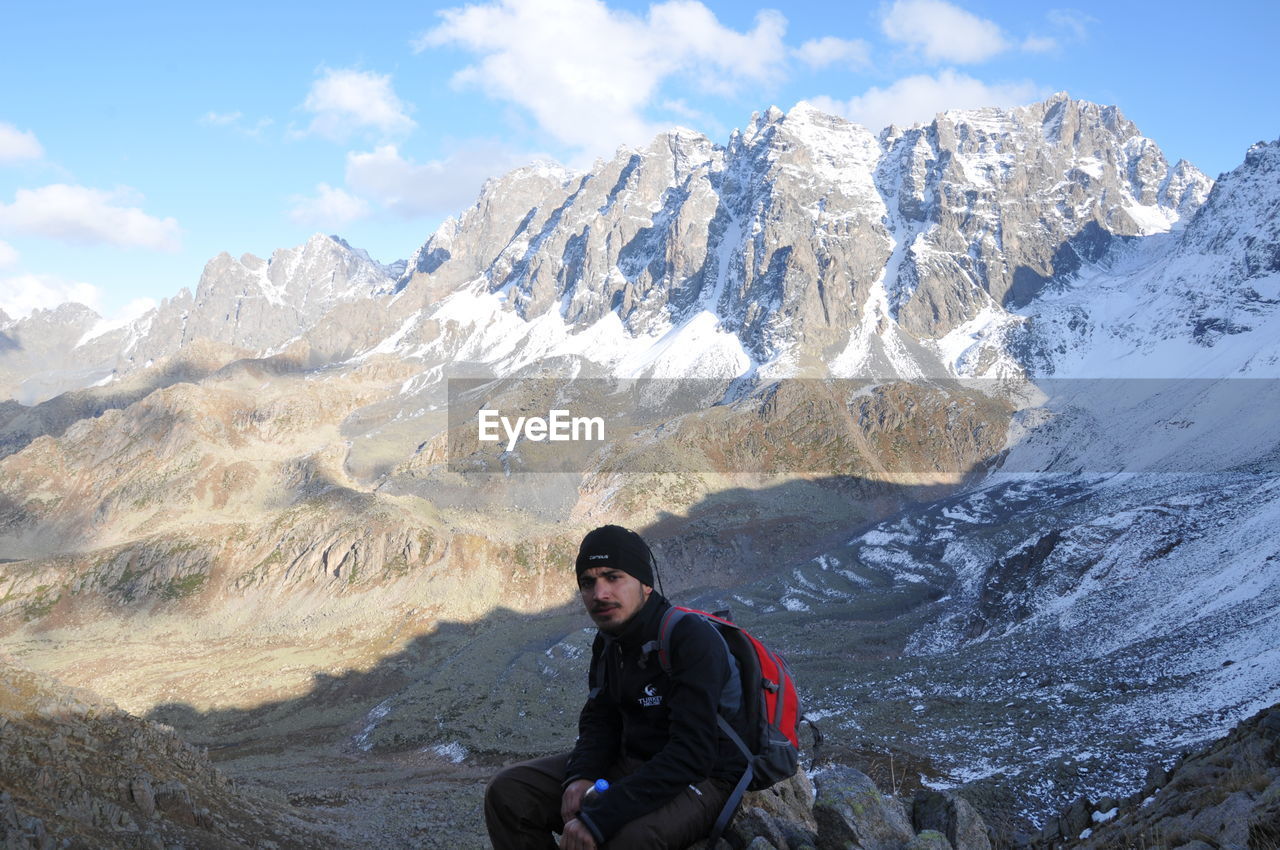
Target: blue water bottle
(596,790)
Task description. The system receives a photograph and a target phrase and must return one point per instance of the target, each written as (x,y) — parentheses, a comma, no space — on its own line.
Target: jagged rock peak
(1240,220)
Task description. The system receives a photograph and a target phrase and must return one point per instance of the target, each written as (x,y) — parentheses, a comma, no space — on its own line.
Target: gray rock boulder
(781,817)
(141,793)
(953,817)
(853,814)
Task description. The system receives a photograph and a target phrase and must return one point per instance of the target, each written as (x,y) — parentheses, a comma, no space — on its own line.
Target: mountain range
(981,430)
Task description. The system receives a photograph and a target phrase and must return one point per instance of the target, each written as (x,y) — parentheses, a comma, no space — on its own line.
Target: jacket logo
(651,697)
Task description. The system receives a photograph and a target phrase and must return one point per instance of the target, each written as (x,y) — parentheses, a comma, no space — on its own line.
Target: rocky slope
(1226,795)
(75,771)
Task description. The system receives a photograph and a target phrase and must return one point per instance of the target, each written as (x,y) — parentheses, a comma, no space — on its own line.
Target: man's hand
(577,837)
(571,802)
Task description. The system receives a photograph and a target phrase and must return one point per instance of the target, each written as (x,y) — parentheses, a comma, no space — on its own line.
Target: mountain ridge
(905,233)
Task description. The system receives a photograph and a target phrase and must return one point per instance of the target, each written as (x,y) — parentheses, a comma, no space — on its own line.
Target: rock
(8,813)
(755,824)
(1157,778)
(173,799)
(1226,795)
(1227,822)
(1077,818)
(852,813)
(782,815)
(929,840)
(1264,824)
(762,843)
(953,817)
(141,794)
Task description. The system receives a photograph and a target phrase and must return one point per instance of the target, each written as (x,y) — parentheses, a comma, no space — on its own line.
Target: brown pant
(522,809)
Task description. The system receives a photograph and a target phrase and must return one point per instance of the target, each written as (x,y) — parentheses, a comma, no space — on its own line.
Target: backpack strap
(735,797)
(669,620)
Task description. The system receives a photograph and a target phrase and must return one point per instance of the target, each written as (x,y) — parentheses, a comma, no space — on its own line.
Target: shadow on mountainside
(727,541)
(458,700)
(20,424)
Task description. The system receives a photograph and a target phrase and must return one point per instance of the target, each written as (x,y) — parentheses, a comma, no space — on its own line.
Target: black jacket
(636,710)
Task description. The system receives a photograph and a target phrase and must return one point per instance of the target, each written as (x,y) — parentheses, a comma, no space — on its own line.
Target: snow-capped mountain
(1202,302)
(249,304)
(806,245)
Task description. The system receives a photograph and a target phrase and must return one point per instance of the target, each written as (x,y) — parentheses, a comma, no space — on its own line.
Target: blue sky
(138,140)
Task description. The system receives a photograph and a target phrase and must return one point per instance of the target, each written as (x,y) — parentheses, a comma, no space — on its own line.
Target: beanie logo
(604,557)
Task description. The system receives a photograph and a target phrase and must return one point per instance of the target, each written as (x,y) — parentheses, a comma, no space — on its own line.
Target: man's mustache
(603,606)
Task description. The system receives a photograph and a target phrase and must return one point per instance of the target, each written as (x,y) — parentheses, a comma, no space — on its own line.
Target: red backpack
(769,701)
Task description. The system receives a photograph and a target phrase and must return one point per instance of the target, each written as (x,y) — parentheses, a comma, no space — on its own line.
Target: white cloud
(8,255)
(221,119)
(235,121)
(17,145)
(1072,22)
(347,101)
(88,216)
(943,32)
(588,73)
(23,294)
(442,186)
(1039,44)
(1070,26)
(918,99)
(330,208)
(827,51)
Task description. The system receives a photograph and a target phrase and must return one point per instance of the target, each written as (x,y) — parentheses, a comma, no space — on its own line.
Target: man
(653,735)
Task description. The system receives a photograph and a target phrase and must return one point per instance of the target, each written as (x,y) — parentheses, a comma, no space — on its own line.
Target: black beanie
(616,547)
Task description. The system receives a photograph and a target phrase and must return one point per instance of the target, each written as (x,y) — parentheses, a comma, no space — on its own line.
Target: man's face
(611,596)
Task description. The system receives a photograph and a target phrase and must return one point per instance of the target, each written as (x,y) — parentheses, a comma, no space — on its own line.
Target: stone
(173,799)
(1264,823)
(756,824)
(781,814)
(1157,778)
(929,840)
(1226,823)
(1077,818)
(952,816)
(1106,804)
(761,843)
(8,813)
(143,797)
(853,814)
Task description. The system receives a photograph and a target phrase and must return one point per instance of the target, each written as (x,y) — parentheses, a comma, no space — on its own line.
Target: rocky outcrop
(848,812)
(952,817)
(76,771)
(1222,796)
